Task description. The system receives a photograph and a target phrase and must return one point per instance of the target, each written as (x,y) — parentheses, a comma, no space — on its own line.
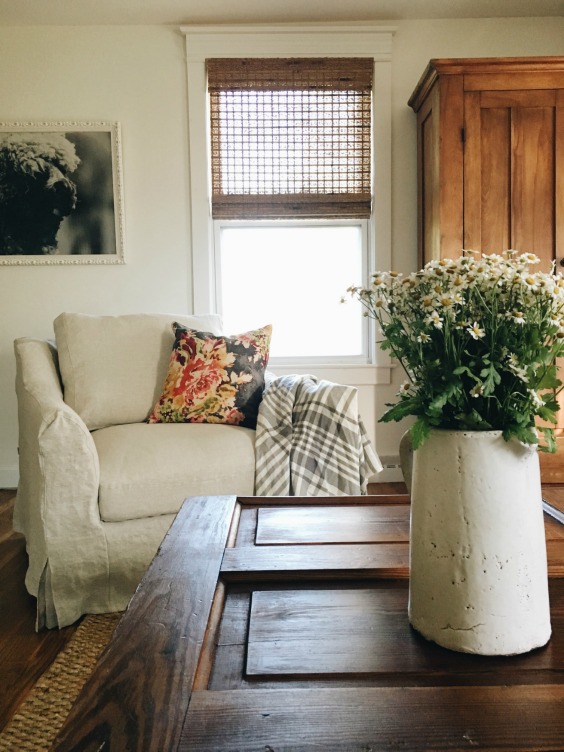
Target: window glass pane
(293,277)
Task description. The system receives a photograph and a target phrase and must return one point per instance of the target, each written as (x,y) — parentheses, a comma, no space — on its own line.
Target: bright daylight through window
(293,277)
(291,199)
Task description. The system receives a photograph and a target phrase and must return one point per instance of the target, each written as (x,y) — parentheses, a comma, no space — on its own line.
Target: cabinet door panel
(532,199)
(510,179)
(495,179)
(430,218)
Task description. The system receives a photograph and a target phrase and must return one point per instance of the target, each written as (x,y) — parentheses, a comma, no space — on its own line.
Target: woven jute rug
(41,715)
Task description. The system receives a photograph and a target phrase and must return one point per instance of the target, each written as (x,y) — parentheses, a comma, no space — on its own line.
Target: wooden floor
(26,654)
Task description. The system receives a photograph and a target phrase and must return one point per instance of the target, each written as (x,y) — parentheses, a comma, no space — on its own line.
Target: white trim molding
(354,375)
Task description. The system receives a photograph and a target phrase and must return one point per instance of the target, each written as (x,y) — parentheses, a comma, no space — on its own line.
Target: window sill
(357,375)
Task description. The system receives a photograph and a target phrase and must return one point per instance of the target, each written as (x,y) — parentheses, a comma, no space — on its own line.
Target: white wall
(136,75)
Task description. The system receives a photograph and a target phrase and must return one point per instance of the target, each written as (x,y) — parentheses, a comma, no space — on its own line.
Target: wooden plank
(495,184)
(324,501)
(138,695)
(472,172)
(559,186)
(451,167)
(425,663)
(500,81)
(554,495)
(348,560)
(320,632)
(532,190)
(366,631)
(291,525)
(509,98)
(410,718)
(555,555)
(428,152)
(24,653)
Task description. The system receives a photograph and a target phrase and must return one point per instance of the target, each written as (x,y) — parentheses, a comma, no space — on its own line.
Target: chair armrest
(57,500)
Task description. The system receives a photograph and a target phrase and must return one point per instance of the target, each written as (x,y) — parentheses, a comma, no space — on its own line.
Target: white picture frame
(61,193)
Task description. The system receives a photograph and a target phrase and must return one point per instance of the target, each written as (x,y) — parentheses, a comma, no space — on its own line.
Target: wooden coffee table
(281,624)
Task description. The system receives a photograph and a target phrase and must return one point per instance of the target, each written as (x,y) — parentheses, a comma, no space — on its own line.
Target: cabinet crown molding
(553,65)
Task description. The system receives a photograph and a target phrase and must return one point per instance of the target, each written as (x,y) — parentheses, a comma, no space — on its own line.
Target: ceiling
(91,12)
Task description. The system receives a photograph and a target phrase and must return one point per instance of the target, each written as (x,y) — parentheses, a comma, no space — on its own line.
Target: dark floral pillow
(214,379)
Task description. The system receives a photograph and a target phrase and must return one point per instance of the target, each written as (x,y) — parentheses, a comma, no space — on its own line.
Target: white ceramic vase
(478,571)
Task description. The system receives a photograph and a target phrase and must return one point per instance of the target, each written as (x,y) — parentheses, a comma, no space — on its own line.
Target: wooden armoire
(490,138)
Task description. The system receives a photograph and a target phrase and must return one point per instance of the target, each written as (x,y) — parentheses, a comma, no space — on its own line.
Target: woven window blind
(290,137)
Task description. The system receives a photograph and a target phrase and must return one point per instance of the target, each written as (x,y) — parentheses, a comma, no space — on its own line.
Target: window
(298,225)
(291,138)
(292,276)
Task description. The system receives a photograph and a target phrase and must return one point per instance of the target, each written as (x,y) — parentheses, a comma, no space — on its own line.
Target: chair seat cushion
(149,469)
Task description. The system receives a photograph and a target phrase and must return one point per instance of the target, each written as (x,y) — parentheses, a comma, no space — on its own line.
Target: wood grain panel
(138,695)
(451,167)
(509,98)
(533,182)
(555,554)
(324,501)
(301,525)
(24,653)
(559,180)
(409,718)
(364,631)
(429,194)
(472,172)
(317,632)
(501,81)
(348,560)
(495,185)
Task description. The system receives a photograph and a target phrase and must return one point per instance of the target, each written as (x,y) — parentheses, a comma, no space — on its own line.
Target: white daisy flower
(434,319)
(477,391)
(530,258)
(404,388)
(475,331)
(537,399)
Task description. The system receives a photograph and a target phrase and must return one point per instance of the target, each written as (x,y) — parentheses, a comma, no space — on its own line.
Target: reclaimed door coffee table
(281,624)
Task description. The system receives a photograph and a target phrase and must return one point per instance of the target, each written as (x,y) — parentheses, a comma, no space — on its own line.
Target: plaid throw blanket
(310,440)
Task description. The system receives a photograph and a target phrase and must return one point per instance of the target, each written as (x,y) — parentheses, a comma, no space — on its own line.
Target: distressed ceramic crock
(478,568)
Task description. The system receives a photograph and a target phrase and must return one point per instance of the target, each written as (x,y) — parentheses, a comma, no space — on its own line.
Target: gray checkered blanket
(310,440)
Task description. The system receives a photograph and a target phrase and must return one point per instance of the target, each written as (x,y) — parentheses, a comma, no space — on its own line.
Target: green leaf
(463,369)
(473,421)
(419,431)
(400,410)
(438,402)
(550,379)
(550,440)
(547,414)
(526,434)
(491,378)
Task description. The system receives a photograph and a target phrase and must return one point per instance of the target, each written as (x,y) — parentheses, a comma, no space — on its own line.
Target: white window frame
(286,40)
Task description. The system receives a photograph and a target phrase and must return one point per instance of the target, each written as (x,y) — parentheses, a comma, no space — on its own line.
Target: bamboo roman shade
(290,137)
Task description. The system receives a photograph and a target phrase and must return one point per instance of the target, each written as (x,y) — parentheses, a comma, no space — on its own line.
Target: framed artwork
(61,196)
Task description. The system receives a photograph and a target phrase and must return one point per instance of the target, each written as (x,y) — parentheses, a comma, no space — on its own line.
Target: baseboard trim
(9,476)
(392,471)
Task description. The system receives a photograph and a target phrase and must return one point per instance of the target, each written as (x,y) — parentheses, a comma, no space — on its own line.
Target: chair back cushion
(113,367)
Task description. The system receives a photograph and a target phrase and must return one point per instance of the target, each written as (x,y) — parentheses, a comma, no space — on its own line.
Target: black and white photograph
(60,193)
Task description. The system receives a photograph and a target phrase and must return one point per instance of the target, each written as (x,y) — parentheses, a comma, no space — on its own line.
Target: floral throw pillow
(214,379)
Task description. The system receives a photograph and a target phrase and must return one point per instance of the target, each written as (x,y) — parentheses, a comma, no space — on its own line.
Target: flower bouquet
(478,338)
